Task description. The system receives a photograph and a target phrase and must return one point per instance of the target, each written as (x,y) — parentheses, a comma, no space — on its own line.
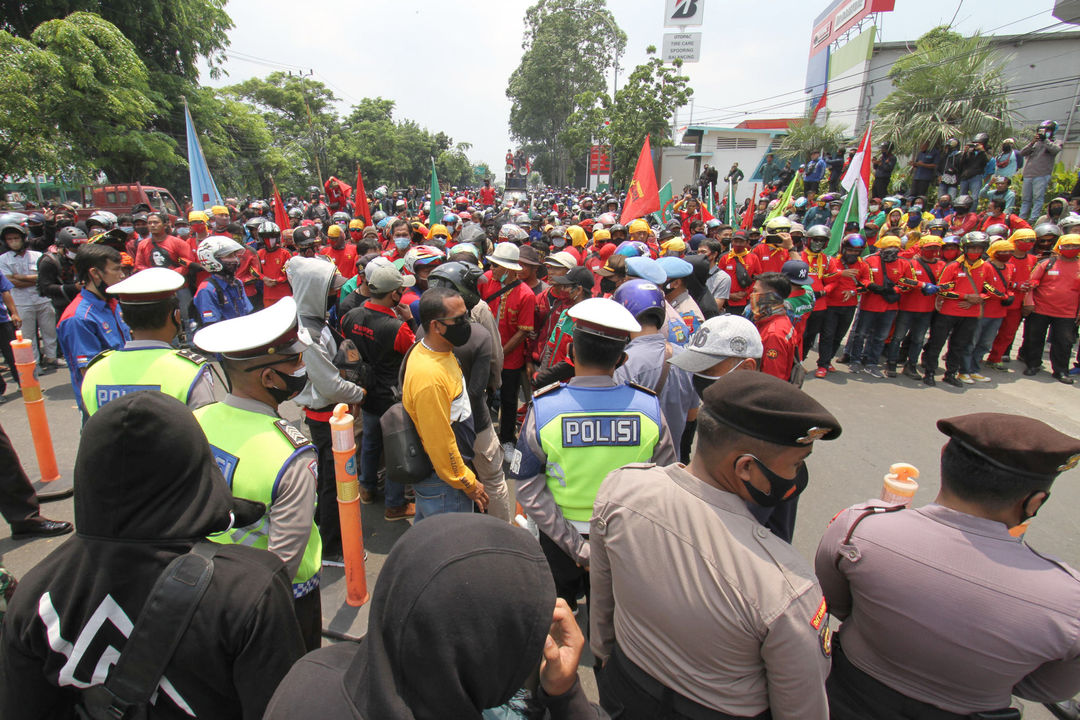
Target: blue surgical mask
(402,243)
(183,232)
(128,228)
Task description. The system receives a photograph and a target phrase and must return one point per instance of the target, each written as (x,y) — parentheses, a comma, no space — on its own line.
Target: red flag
(337,194)
(820,104)
(361,208)
(280,216)
(643,195)
(748,216)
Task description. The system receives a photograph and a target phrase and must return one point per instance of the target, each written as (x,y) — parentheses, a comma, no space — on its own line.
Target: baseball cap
(562,258)
(385,278)
(797,272)
(580,276)
(646,268)
(719,338)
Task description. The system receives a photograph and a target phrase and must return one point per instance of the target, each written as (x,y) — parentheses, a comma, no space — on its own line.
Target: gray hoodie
(312,282)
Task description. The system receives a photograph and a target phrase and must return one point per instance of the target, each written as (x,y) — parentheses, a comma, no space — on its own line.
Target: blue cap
(647,268)
(675,267)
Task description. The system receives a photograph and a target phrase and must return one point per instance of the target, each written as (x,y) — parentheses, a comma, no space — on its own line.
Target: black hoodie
(147,487)
(458,621)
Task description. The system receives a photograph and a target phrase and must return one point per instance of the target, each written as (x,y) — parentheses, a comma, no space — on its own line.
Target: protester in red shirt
(817,239)
(341,252)
(162,249)
(1022,263)
(962,220)
(776,249)
(514,308)
(487,195)
(917,304)
(999,287)
(779,344)
(742,266)
(995,215)
(272,259)
(960,299)
(846,278)
(878,307)
(1052,305)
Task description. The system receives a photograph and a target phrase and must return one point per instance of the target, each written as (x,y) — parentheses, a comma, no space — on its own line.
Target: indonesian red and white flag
(856,182)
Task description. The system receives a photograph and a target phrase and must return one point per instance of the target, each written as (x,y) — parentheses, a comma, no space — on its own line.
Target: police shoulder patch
(642,388)
(101,355)
(546,389)
(192,356)
(291,434)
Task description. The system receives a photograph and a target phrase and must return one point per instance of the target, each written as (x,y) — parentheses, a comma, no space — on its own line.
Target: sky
(446,65)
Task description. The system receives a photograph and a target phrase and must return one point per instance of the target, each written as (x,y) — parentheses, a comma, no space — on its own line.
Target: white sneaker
(966,379)
(977,377)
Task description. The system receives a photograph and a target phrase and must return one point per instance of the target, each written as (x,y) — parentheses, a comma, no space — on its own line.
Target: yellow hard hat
(356,224)
(638,225)
(197,216)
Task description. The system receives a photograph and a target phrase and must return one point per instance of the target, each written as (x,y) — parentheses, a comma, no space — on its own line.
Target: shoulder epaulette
(291,434)
(642,388)
(865,512)
(546,389)
(1053,560)
(99,356)
(192,356)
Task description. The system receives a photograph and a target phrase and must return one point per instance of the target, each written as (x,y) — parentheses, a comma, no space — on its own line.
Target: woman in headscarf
(464,612)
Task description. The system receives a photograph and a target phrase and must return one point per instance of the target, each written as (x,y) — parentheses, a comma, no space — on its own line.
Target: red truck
(120,198)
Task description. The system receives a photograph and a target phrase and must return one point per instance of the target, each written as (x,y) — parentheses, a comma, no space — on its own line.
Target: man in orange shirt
(341,252)
(742,266)
(961,297)
(1052,305)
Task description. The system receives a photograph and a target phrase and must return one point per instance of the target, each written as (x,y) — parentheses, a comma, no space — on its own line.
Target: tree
(641,107)
(567,44)
(75,98)
(950,86)
(804,136)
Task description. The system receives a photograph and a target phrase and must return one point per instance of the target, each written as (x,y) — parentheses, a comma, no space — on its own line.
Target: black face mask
(607,286)
(780,488)
(817,246)
(294,383)
(890,255)
(458,334)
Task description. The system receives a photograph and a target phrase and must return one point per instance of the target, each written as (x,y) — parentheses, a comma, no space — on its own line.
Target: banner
(667,200)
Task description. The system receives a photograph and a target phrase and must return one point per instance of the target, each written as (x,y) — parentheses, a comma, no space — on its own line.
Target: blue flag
(204,192)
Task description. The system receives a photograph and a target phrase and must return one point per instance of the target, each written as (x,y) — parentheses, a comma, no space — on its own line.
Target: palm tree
(804,137)
(950,86)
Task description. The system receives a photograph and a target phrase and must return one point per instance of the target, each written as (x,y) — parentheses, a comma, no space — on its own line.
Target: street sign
(682,13)
(682,46)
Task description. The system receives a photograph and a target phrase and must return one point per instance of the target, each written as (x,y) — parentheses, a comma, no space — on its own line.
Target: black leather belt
(670,699)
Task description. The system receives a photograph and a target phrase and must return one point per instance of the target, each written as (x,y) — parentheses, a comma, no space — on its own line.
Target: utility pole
(316,144)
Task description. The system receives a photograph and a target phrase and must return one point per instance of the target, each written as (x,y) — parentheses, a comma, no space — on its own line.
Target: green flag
(780,206)
(667,200)
(436,198)
(849,212)
(729,216)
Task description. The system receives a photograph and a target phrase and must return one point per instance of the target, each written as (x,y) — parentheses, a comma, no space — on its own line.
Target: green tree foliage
(950,86)
(804,136)
(567,45)
(641,107)
(76,97)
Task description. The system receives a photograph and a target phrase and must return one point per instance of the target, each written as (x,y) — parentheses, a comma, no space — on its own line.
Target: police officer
(575,434)
(262,457)
(697,610)
(946,611)
(148,361)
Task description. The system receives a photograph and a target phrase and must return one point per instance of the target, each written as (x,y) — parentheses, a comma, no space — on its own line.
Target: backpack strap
(157,633)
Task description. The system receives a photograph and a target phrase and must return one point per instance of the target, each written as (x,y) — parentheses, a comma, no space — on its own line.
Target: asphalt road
(885,421)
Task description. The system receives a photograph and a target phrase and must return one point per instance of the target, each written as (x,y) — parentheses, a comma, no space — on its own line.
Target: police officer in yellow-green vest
(262,457)
(148,361)
(574,434)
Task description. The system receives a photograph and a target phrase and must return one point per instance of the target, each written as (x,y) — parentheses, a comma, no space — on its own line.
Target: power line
(953,58)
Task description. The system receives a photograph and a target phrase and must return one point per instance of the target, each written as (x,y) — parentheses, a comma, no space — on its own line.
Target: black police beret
(1013,442)
(769,409)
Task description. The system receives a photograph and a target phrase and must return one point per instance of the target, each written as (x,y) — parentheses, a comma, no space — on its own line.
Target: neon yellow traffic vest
(252,451)
(115,373)
(586,432)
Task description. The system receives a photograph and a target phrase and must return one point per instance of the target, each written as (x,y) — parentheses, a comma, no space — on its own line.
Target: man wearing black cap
(697,610)
(568,290)
(146,490)
(946,611)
